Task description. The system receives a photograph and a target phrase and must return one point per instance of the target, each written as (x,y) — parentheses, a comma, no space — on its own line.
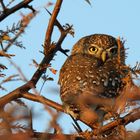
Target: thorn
(88,1)
(64,51)
(76,125)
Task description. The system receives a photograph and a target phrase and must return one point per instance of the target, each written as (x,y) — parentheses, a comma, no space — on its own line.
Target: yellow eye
(93,49)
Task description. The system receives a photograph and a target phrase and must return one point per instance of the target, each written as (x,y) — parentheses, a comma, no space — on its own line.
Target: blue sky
(114,17)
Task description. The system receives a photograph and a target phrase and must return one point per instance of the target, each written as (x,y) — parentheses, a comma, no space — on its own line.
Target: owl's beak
(104,56)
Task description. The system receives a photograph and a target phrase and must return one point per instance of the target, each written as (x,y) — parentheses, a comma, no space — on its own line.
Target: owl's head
(101,46)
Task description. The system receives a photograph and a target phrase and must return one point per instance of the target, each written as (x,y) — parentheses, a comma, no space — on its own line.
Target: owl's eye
(113,50)
(92,49)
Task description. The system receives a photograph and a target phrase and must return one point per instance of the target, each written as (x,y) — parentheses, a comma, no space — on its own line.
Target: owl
(90,72)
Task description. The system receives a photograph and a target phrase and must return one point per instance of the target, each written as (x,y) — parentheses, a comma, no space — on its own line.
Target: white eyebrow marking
(94,45)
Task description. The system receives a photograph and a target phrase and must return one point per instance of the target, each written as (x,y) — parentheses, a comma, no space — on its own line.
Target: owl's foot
(74,112)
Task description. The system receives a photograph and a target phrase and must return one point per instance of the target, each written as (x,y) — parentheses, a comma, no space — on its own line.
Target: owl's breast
(83,74)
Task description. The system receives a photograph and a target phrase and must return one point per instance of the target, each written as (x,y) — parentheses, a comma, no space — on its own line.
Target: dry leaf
(53,70)
(2,53)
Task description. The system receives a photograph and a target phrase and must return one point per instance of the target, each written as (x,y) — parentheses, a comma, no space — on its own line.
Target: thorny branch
(53,48)
(51,25)
(7,12)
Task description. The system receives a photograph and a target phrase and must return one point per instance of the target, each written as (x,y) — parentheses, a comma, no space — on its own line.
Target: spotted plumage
(91,69)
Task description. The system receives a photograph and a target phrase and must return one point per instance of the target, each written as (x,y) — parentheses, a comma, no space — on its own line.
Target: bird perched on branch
(91,76)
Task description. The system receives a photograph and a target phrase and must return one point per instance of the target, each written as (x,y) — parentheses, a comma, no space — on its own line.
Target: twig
(24,24)
(15,8)
(31,7)
(19,71)
(10,78)
(76,125)
(3,6)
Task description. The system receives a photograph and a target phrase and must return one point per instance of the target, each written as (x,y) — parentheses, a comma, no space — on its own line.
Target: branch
(40,136)
(10,11)
(37,98)
(131,117)
(51,25)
